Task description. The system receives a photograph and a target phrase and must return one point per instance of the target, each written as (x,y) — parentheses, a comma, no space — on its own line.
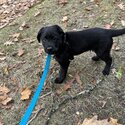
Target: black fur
(64,46)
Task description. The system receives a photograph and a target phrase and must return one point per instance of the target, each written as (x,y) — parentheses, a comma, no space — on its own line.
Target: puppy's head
(52,38)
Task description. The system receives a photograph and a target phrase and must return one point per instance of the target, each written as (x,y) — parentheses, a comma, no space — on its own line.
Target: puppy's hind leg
(108,60)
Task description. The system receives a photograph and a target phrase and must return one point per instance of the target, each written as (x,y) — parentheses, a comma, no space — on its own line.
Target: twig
(34,116)
(54,109)
(45,95)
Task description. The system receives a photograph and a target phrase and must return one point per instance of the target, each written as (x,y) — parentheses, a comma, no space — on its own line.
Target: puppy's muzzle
(50,50)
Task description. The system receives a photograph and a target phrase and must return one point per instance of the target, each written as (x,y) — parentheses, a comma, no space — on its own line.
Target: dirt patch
(107,99)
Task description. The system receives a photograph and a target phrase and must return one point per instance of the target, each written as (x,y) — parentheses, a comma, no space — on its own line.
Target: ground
(107,99)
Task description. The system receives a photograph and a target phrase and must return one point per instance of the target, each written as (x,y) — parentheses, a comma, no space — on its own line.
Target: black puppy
(65,45)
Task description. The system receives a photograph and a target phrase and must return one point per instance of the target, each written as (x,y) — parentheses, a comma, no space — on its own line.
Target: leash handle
(35,98)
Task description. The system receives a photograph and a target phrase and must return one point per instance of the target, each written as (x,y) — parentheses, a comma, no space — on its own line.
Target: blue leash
(33,102)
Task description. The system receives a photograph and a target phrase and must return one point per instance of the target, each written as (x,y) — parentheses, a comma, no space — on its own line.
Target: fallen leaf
(6,70)
(63,2)
(66,87)
(88,8)
(16,35)
(77,77)
(113,70)
(2,58)
(121,6)
(117,48)
(4,89)
(8,43)
(24,25)
(1,54)
(114,46)
(3,96)
(123,22)
(108,26)
(7,101)
(94,121)
(26,93)
(114,121)
(20,52)
(37,13)
(65,19)
(40,51)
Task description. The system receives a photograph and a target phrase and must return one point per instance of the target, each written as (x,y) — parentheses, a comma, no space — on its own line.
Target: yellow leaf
(26,93)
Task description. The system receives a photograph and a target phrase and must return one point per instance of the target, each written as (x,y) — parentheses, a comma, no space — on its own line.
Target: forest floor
(22,62)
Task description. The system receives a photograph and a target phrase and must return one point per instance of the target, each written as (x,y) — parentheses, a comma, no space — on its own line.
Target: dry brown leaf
(94,121)
(117,48)
(26,93)
(20,52)
(123,22)
(121,6)
(8,43)
(24,25)
(1,54)
(16,35)
(4,89)
(6,70)
(40,51)
(88,8)
(114,121)
(7,101)
(63,2)
(108,26)
(77,77)
(66,87)
(3,96)
(2,58)
(114,46)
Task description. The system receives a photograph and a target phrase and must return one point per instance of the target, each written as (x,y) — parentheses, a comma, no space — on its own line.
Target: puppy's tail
(114,33)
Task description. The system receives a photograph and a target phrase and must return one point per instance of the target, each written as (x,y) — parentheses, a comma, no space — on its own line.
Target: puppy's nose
(49,48)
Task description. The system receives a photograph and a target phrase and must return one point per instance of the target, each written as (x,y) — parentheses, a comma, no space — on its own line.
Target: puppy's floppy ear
(59,29)
(39,34)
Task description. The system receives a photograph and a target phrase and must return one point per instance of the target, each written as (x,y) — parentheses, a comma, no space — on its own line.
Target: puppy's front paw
(58,80)
(105,72)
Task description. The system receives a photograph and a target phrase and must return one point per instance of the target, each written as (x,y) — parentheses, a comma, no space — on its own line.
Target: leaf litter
(12,9)
(94,121)
(4,97)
